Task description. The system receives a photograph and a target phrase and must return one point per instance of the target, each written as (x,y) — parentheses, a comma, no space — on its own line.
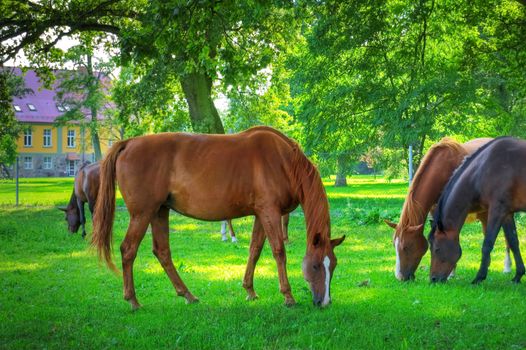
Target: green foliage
(10,86)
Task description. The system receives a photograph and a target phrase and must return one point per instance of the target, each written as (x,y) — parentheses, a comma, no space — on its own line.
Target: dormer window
(60,107)
(31,107)
(17,108)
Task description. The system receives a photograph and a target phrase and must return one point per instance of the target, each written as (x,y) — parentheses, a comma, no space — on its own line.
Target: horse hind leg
(161,249)
(134,235)
(223,231)
(232,233)
(510,230)
(256,245)
(285,223)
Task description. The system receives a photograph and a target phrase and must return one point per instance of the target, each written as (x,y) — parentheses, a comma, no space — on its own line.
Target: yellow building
(45,149)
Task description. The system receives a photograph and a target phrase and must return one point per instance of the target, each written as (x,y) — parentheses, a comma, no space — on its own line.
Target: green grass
(54,294)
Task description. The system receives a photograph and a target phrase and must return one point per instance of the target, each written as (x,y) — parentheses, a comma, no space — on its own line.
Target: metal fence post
(410,163)
(16,174)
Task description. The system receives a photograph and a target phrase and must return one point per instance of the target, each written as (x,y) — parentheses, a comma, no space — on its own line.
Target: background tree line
(351,80)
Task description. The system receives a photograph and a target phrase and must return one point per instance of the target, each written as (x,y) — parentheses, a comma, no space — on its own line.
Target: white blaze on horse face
(327,297)
(398,273)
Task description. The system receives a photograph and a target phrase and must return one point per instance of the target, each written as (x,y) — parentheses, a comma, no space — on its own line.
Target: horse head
(72,217)
(410,246)
(318,267)
(445,253)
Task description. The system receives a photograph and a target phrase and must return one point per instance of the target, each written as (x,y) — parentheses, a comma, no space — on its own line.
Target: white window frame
(70,141)
(28,162)
(31,107)
(17,108)
(48,138)
(47,163)
(28,138)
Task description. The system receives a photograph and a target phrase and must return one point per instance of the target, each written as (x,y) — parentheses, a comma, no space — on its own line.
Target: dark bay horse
(257,172)
(492,180)
(436,168)
(85,189)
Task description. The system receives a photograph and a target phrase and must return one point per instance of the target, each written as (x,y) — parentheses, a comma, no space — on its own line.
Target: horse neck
(426,187)
(73,200)
(458,204)
(313,200)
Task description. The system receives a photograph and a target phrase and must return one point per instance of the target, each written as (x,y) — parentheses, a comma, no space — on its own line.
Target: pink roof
(44,100)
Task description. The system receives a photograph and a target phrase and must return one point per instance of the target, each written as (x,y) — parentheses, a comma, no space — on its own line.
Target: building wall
(59,152)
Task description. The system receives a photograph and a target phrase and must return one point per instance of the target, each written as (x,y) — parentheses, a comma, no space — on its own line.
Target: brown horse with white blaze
(257,172)
(436,168)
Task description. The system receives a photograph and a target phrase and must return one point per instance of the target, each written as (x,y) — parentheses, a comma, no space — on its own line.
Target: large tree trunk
(197,88)
(342,165)
(94,127)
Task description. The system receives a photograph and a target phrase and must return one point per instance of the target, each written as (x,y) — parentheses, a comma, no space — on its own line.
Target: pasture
(55,294)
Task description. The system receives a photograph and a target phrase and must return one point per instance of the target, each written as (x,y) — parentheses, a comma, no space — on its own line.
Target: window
(28,162)
(60,107)
(48,164)
(71,138)
(47,137)
(17,108)
(110,142)
(31,107)
(28,138)
(67,107)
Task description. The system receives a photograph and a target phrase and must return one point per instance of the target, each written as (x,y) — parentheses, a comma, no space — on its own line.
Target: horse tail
(102,237)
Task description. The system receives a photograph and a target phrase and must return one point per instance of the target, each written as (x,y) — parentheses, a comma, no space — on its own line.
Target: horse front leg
(510,231)
(161,249)
(496,215)
(256,245)
(82,217)
(271,222)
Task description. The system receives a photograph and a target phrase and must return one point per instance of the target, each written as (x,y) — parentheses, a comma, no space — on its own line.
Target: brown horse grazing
(257,172)
(284,222)
(492,180)
(85,190)
(436,168)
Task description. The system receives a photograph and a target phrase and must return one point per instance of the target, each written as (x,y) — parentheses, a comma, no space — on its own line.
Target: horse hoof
(477,280)
(290,302)
(190,299)
(135,306)
(517,279)
(252,297)
(234,240)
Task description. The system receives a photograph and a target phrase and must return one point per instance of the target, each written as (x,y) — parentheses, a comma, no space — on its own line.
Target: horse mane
(437,217)
(307,184)
(287,139)
(412,211)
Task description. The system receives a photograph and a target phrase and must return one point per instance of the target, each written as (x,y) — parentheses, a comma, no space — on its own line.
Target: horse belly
(210,203)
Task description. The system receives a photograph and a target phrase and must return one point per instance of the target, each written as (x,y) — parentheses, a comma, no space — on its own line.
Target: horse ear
(390,223)
(337,241)
(416,228)
(62,208)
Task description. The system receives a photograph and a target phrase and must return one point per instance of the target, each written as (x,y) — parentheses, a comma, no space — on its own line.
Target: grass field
(55,294)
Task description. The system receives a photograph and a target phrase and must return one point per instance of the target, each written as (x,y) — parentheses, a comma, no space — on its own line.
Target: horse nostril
(317,302)
(434,279)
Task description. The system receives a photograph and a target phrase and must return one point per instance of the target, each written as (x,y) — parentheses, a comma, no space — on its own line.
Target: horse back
(209,177)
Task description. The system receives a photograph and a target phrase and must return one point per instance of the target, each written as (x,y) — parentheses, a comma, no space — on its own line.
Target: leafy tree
(10,86)
(86,88)
(199,43)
